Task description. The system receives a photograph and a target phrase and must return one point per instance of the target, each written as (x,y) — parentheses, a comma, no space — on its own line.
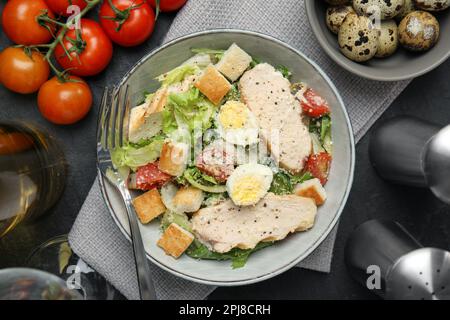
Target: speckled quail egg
(418,31)
(432,5)
(387,39)
(407,8)
(337,2)
(358,39)
(335,16)
(387,8)
(249,183)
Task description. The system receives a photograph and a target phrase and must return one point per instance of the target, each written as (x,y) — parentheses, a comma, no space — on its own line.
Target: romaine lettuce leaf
(237,256)
(169,121)
(180,219)
(322,128)
(284,182)
(217,54)
(255,62)
(284,71)
(178,74)
(213,199)
(301,178)
(136,155)
(281,184)
(234,93)
(190,110)
(202,181)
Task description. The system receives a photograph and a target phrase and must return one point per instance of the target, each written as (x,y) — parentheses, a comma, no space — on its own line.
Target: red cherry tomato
(90,50)
(319,166)
(127,22)
(314,105)
(64,102)
(19,21)
(168,5)
(23,72)
(150,177)
(59,7)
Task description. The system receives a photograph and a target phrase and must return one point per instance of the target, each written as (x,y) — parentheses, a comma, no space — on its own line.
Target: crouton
(188,199)
(175,240)
(312,189)
(213,84)
(148,206)
(234,62)
(174,158)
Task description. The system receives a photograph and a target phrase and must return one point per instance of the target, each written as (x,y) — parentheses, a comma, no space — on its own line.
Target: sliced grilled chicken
(267,93)
(227,226)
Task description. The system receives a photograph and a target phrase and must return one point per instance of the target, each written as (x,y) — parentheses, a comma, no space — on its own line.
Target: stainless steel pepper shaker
(406,270)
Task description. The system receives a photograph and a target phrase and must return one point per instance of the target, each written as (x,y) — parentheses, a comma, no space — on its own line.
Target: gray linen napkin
(96,238)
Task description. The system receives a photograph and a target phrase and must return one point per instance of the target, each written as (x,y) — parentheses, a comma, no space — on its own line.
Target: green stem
(157,9)
(44,45)
(121,16)
(59,39)
(51,21)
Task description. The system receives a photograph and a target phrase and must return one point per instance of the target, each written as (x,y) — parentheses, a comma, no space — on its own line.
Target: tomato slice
(319,166)
(314,105)
(150,177)
(216,162)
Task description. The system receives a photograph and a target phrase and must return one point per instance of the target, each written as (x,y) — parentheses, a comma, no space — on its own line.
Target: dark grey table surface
(427,97)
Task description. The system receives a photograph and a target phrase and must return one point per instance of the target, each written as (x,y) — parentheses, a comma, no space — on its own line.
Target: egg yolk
(247,190)
(233,115)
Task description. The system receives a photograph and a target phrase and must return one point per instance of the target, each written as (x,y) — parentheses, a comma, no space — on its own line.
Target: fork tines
(113,117)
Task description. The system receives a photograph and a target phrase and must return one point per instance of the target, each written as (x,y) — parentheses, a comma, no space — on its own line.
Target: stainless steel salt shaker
(411,151)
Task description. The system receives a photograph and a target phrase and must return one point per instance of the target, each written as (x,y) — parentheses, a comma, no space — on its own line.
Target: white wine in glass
(32,174)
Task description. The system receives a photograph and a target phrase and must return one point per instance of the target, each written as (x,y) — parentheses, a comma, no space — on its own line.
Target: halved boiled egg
(249,183)
(237,124)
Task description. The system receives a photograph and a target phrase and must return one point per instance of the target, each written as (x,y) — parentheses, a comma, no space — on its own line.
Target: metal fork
(112,133)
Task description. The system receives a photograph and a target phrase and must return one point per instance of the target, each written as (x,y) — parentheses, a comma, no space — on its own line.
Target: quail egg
(387,8)
(407,8)
(358,39)
(418,31)
(387,39)
(432,5)
(337,2)
(336,15)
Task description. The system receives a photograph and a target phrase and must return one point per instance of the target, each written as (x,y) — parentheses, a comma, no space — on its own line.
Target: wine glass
(31,284)
(56,256)
(32,173)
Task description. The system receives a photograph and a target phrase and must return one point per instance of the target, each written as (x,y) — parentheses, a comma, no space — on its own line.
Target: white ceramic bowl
(284,255)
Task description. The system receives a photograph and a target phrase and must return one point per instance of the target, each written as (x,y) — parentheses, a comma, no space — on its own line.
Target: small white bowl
(400,66)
